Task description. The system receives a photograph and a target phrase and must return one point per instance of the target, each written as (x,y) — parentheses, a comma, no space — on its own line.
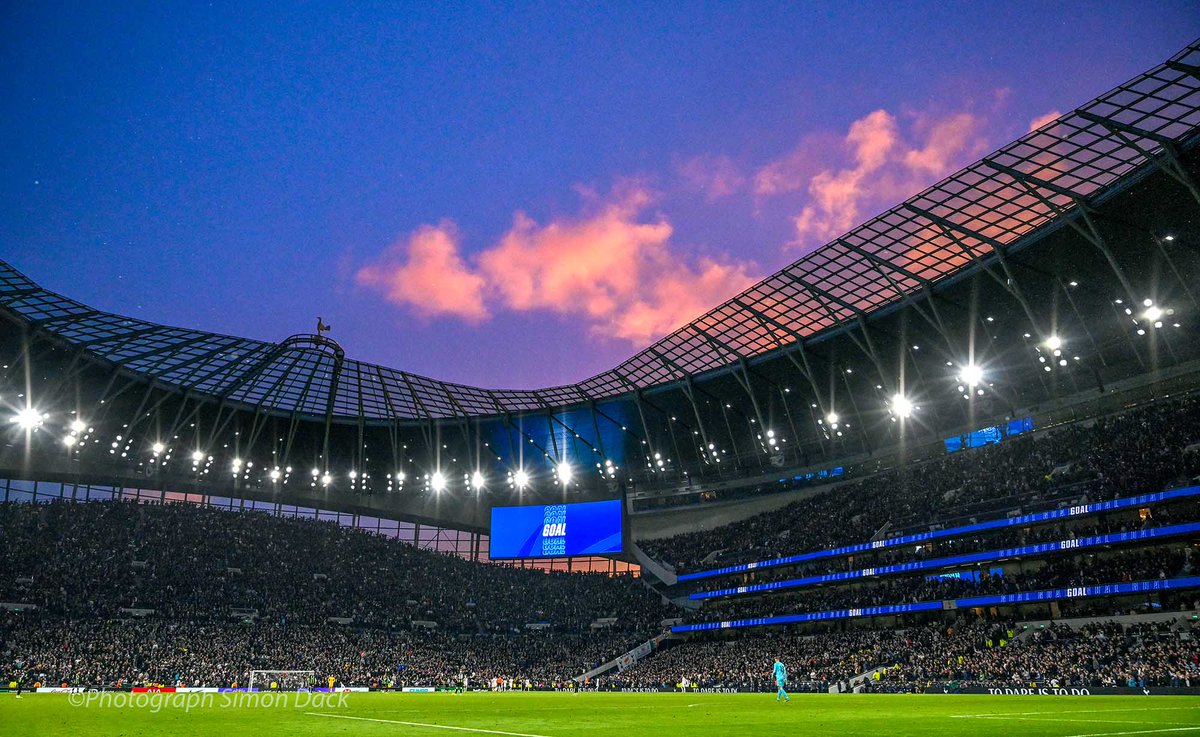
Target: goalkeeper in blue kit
(781,681)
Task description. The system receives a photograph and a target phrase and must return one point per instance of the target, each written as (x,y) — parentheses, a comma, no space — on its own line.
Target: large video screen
(556,530)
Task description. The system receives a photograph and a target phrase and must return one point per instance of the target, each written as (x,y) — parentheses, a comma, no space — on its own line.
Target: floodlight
(564,472)
(477,479)
(1054,342)
(438,481)
(902,406)
(521,479)
(27,419)
(197,455)
(972,374)
(78,426)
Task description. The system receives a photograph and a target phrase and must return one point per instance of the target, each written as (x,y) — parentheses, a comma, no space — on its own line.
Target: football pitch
(591,714)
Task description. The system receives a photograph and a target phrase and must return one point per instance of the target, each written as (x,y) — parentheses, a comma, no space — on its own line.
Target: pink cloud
(610,265)
(426,273)
(876,163)
(835,197)
(676,296)
(1041,120)
(716,177)
(947,142)
(591,264)
(793,171)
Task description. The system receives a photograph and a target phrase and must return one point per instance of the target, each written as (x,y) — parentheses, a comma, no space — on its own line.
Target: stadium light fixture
(274,474)
(1153,313)
(438,481)
(521,478)
(78,426)
(1054,342)
(326,480)
(972,374)
(902,406)
(70,440)
(197,456)
(158,448)
(477,480)
(832,418)
(28,418)
(564,472)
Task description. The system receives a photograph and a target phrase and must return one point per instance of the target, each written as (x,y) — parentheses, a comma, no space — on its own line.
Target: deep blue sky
(242,170)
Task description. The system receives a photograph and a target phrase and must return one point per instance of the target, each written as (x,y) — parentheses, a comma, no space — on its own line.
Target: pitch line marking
(1018,718)
(1137,731)
(1075,711)
(423,724)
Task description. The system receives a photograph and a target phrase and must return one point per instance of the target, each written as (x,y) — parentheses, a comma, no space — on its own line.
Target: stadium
(945,467)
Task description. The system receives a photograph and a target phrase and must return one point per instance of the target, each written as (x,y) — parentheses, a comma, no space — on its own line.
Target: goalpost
(282,680)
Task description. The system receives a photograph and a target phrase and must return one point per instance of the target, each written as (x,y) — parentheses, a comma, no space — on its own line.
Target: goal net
(283,680)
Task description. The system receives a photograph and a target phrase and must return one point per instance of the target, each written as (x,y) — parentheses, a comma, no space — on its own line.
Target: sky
(511,197)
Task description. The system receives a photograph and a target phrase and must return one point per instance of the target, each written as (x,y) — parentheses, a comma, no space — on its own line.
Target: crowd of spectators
(1103,654)
(1137,451)
(146,592)
(222,654)
(188,563)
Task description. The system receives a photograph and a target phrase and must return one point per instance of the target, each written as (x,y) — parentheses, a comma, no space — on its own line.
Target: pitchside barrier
(1067,691)
(937,689)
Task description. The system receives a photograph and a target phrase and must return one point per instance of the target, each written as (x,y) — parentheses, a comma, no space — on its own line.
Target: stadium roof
(982,210)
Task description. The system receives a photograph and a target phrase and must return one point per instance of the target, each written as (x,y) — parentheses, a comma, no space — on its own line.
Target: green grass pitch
(623,715)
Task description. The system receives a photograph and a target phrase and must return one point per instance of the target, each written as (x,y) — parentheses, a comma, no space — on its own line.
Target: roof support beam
(1082,211)
(1010,283)
(885,269)
(1189,69)
(867,347)
(744,379)
(1167,160)
(53,322)
(689,391)
(771,325)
